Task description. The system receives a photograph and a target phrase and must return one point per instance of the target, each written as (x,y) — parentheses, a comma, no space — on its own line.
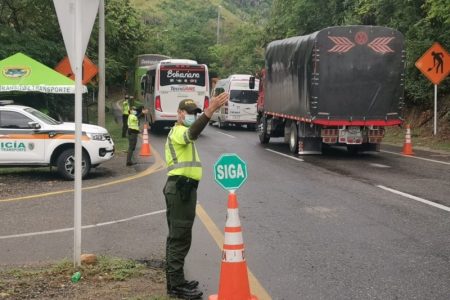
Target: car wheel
(66,164)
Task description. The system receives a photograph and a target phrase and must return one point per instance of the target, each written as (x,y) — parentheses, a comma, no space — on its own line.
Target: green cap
(189,106)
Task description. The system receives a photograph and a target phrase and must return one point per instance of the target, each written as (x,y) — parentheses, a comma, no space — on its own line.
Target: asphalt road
(336,226)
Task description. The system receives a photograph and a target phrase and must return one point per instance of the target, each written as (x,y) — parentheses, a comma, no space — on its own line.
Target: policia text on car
(184,173)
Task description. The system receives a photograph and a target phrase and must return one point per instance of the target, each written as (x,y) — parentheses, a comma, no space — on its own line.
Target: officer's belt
(182,178)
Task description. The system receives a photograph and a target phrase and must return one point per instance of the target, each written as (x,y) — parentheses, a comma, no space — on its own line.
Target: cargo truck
(338,86)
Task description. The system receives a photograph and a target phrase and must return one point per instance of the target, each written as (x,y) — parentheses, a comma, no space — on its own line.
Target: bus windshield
(182,75)
(243,96)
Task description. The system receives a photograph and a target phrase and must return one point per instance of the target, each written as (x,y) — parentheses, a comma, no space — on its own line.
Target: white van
(170,81)
(241,107)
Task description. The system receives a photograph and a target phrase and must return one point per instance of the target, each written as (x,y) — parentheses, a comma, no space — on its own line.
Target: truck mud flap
(309,145)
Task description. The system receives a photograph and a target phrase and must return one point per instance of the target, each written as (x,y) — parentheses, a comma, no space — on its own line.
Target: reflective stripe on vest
(194,163)
(133,122)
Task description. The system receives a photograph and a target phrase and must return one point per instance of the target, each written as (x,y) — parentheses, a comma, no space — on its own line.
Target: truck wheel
(66,164)
(222,125)
(293,138)
(264,137)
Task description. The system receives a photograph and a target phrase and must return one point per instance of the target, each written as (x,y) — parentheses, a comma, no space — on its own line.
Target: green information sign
(230,171)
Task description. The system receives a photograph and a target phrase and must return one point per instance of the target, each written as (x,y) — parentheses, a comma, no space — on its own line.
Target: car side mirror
(34,125)
(251,82)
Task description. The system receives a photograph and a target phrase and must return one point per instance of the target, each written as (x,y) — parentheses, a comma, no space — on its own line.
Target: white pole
(101,64)
(435,109)
(218,24)
(78,120)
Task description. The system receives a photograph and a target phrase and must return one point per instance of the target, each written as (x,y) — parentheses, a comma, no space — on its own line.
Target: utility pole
(101,64)
(218,24)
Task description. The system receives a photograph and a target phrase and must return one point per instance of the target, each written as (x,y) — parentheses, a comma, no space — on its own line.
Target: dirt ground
(16,182)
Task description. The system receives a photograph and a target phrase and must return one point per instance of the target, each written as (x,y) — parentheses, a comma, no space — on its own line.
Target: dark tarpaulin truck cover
(344,73)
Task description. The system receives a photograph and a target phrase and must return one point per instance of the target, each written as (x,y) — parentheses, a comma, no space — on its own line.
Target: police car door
(20,143)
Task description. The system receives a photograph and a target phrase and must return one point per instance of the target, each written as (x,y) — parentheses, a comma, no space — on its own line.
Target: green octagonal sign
(230,171)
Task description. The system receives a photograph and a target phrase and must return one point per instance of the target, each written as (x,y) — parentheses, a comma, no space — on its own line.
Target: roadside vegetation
(109,278)
(189,29)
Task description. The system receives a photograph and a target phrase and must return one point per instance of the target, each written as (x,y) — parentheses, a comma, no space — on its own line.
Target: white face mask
(133,112)
(189,120)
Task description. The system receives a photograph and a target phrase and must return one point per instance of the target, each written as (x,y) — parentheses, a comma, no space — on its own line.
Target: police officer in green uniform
(133,132)
(184,173)
(125,114)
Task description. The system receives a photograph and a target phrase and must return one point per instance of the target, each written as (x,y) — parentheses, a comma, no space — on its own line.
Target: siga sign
(230,171)
(434,63)
(89,69)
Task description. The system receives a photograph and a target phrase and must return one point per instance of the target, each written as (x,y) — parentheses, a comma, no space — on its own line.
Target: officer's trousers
(132,141)
(124,125)
(181,198)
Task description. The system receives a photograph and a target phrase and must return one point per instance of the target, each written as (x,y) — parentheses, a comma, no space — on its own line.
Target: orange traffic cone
(407,146)
(145,147)
(233,284)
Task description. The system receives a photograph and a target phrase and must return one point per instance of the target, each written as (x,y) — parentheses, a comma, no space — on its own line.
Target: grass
(105,279)
(109,268)
(115,129)
(420,138)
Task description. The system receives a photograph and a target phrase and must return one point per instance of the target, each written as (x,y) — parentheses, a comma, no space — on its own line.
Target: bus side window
(152,85)
(143,84)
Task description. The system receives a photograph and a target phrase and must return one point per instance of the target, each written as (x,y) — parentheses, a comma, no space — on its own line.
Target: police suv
(29,137)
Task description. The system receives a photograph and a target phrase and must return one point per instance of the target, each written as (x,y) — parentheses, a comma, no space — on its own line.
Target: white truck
(29,137)
(241,106)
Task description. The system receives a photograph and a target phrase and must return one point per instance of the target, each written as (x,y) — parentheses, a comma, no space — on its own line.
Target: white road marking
(285,155)
(83,227)
(443,207)
(228,135)
(416,157)
(379,166)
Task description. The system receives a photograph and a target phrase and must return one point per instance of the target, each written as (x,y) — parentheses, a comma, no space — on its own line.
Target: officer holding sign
(184,173)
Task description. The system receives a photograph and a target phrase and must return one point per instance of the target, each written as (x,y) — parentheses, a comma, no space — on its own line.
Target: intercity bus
(170,81)
(143,62)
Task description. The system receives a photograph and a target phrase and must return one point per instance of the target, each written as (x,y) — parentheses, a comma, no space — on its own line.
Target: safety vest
(125,107)
(133,122)
(181,155)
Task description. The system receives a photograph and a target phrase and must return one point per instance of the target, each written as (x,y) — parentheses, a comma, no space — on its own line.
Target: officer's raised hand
(216,103)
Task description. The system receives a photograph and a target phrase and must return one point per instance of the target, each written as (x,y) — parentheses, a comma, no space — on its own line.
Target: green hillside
(189,29)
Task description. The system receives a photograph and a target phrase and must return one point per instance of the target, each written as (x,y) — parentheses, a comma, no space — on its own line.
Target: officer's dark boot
(129,158)
(190,284)
(185,292)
